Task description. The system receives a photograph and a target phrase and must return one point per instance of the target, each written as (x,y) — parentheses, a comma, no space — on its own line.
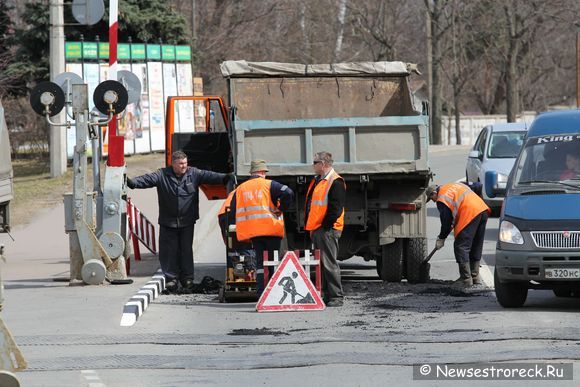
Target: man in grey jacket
(178,197)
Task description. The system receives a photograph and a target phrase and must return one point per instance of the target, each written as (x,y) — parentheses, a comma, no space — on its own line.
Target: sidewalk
(40,255)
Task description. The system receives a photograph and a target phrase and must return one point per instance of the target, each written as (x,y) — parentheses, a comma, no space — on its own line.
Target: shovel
(428,258)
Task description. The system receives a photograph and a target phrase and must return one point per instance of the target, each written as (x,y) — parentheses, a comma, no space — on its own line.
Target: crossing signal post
(98,250)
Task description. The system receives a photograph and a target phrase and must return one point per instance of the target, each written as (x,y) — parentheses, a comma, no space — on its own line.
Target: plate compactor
(240,282)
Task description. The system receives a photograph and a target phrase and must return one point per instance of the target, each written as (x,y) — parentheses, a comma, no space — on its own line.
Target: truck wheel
(417,272)
(379,262)
(391,267)
(510,295)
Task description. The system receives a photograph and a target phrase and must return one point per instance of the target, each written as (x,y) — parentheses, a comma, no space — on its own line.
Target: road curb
(136,306)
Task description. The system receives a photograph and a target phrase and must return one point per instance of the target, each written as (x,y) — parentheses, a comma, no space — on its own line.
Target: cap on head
(430,190)
(258,165)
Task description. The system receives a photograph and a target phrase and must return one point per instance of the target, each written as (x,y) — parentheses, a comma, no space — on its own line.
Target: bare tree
(339,35)
(436,10)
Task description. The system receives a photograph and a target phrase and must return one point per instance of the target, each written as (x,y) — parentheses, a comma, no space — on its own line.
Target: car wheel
(510,295)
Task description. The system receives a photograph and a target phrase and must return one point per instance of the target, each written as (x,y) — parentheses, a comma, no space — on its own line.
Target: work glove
(230,178)
(130,183)
(439,244)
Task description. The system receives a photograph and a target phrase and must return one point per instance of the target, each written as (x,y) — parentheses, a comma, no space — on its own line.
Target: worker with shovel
(463,210)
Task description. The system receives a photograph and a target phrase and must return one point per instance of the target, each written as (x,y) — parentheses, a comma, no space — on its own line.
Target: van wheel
(417,272)
(510,295)
(391,267)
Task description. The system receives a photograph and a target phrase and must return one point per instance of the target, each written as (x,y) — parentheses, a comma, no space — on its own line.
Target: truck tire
(391,267)
(510,295)
(416,251)
(379,262)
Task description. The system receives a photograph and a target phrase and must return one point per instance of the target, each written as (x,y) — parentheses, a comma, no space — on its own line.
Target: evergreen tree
(143,20)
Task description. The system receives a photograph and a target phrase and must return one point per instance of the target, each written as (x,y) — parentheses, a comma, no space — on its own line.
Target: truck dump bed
(363,113)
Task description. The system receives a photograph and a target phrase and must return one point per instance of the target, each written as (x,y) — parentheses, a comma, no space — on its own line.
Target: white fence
(472,125)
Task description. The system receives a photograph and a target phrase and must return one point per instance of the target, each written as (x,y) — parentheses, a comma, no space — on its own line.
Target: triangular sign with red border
(290,289)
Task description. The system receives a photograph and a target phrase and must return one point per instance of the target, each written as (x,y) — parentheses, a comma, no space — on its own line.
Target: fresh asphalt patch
(257,332)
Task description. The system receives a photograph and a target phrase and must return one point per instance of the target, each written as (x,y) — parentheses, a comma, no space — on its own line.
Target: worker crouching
(258,206)
(463,210)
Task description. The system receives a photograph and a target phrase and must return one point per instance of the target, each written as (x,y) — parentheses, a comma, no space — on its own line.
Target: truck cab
(6,175)
(539,233)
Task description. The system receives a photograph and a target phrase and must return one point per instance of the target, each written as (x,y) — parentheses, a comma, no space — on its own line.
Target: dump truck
(363,113)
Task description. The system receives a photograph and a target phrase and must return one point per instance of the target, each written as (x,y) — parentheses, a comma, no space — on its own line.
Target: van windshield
(549,159)
(505,145)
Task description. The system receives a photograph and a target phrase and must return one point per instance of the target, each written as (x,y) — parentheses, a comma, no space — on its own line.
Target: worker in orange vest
(463,210)
(324,216)
(258,206)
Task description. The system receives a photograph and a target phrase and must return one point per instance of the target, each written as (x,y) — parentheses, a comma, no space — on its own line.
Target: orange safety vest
(463,203)
(226,203)
(319,203)
(256,215)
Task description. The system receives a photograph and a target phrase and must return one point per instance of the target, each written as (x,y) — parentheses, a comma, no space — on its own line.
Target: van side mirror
(474,154)
(492,188)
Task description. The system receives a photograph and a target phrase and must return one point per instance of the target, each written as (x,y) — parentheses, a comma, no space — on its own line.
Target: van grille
(557,239)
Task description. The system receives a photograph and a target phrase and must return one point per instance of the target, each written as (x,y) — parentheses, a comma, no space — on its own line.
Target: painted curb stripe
(136,306)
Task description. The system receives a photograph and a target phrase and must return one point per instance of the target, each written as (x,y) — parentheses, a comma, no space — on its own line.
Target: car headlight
(509,233)
(501,180)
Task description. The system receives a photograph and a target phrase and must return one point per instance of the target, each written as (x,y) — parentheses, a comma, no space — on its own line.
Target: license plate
(562,273)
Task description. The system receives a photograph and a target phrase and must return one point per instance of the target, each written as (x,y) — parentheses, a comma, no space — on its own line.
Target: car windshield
(504,145)
(550,159)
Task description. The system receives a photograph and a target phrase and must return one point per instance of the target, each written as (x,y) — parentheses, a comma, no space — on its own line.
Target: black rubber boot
(170,286)
(464,275)
(474,267)
(187,286)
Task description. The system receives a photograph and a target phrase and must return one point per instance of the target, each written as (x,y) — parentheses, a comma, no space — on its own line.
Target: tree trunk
(305,37)
(340,33)
(511,70)
(456,94)
(436,105)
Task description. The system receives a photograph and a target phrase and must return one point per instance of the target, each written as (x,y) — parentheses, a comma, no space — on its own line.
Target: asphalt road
(71,336)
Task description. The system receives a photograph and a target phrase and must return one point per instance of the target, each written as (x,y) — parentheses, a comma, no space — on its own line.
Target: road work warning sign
(290,289)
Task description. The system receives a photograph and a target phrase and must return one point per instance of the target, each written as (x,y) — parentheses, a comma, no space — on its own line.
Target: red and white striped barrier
(310,258)
(141,229)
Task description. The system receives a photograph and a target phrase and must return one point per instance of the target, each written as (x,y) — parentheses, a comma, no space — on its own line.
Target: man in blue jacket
(178,197)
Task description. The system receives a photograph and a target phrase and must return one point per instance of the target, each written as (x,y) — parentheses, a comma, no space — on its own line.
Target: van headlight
(509,233)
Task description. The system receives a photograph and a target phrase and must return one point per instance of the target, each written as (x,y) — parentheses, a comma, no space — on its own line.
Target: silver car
(496,149)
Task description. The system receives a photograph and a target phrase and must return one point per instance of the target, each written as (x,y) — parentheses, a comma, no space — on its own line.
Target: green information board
(126,52)
(103,50)
(89,50)
(73,50)
(168,52)
(153,51)
(123,51)
(183,53)
(138,51)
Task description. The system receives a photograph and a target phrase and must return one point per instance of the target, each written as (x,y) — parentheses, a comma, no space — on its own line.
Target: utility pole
(429,71)
(578,69)
(57,133)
